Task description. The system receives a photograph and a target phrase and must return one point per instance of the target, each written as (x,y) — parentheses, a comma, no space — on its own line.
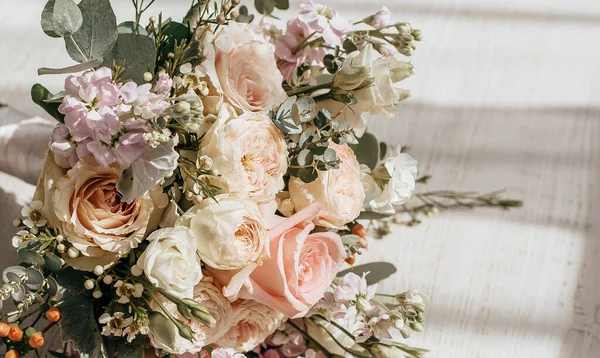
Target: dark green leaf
(367,150)
(52,262)
(305,157)
(322,118)
(349,46)
(32,258)
(131,27)
(318,150)
(39,94)
(264,7)
(97,34)
(371,215)
(176,33)
(377,271)
(118,346)
(52,286)
(78,323)
(139,53)
(30,245)
(282,4)
(244,17)
(308,175)
(61,18)
(13,273)
(161,327)
(382,150)
(35,279)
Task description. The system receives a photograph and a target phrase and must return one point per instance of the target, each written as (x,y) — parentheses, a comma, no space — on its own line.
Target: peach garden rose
(339,191)
(92,216)
(241,67)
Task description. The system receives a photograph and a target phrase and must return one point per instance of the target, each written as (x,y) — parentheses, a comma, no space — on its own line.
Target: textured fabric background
(506,95)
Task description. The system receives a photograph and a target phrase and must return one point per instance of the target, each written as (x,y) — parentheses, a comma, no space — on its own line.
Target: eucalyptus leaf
(97,34)
(52,286)
(371,215)
(367,150)
(329,155)
(32,258)
(307,136)
(78,323)
(39,95)
(350,239)
(30,245)
(318,150)
(176,32)
(349,46)
(147,171)
(377,271)
(61,18)
(139,53)
(305,157)
(13,316)
(70,69)
(118,346)
(244,17)
(264,7)
(19,293)
(13,273)
(131,27)
(35,279)
(282,4)
(306,108)
(53,262)
(308,174)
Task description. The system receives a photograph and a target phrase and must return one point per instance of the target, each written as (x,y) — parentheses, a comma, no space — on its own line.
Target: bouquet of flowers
(202,189)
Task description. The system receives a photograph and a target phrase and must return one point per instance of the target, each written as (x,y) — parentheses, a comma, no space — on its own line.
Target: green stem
(307,89)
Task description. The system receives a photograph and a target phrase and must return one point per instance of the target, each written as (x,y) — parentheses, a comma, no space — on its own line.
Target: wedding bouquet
(202,189)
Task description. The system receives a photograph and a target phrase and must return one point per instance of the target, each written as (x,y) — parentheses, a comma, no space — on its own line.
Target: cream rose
(253,323)
(339,191)
(249,155)
(209,295)
(241,67)
(230,232)
(170,262)
(92,216)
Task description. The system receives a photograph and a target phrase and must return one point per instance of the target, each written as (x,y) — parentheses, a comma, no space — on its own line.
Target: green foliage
(164,330)
(367,150)
(377,271)
(61,18)
(244,16)
(138,53)
(118,346)
(266,7)
(78,323)
(70,69)
(40,96)
(147,171)
(131,27)
(371,215)
(175,33)
(97,34)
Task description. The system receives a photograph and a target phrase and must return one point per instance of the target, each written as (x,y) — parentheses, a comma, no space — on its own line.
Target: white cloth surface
(506,95)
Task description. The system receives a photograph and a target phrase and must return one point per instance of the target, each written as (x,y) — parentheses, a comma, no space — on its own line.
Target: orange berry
(15,334)
(4,328)
(36,340)
(11,354)
(359,230)
(350,260)
(53,314)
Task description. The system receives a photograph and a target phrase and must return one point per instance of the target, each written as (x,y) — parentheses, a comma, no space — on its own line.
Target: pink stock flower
(226,353)
(286,46)
(325,21)
(164,84)
(64,150)
(381,19)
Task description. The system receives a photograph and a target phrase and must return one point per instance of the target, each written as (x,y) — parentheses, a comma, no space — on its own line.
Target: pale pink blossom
(226,353)
(164,84)
(288,54)
(326,21)
(381,19)
(63,148)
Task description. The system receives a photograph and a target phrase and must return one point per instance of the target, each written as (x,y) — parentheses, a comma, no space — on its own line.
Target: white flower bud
(108,279)
(34,230)
(98,270)
(205,162)
(17,222)
(147,76)
(61,248)
(97,294)
(73,252)
(182,107)
(89,284)
(136,270)
(60,238)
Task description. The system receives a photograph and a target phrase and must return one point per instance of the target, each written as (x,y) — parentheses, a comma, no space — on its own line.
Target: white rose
(402,174)
(230,232)
(249,155)
(170,261)
(339,191)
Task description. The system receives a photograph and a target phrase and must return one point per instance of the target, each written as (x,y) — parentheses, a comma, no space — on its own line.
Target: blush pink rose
(241,67)
(301,267)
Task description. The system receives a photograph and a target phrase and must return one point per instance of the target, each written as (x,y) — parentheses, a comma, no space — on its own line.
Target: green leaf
(119,346)
(139,53)
(176,33)
(243,16)
(350,239)
(264,7)
(52,286)
(349,46)
(163,329)
(367,150)
(371,215)
(39,95)
(377,271)
(13,273)
(52,262)
(32,258)
(329,155)
(305,109)
(58,354)
(35,279)
(282,4)
(70,69)
(97,34)
(193,13)
(78,323)
(131,27)
(305,157)
(61,18)
(308,175)
(147,171)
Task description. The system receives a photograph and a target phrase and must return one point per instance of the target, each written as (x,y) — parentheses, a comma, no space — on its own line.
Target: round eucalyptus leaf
(305,157)
(13,274)
(329,155)
(308,175)
(307,109)
(61,18)
(19,293)
(52,286)
(29,245)
(350,239)
(131,27)
(13,317)
(31,258)
(53,262)
(35,279)
(264,7)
